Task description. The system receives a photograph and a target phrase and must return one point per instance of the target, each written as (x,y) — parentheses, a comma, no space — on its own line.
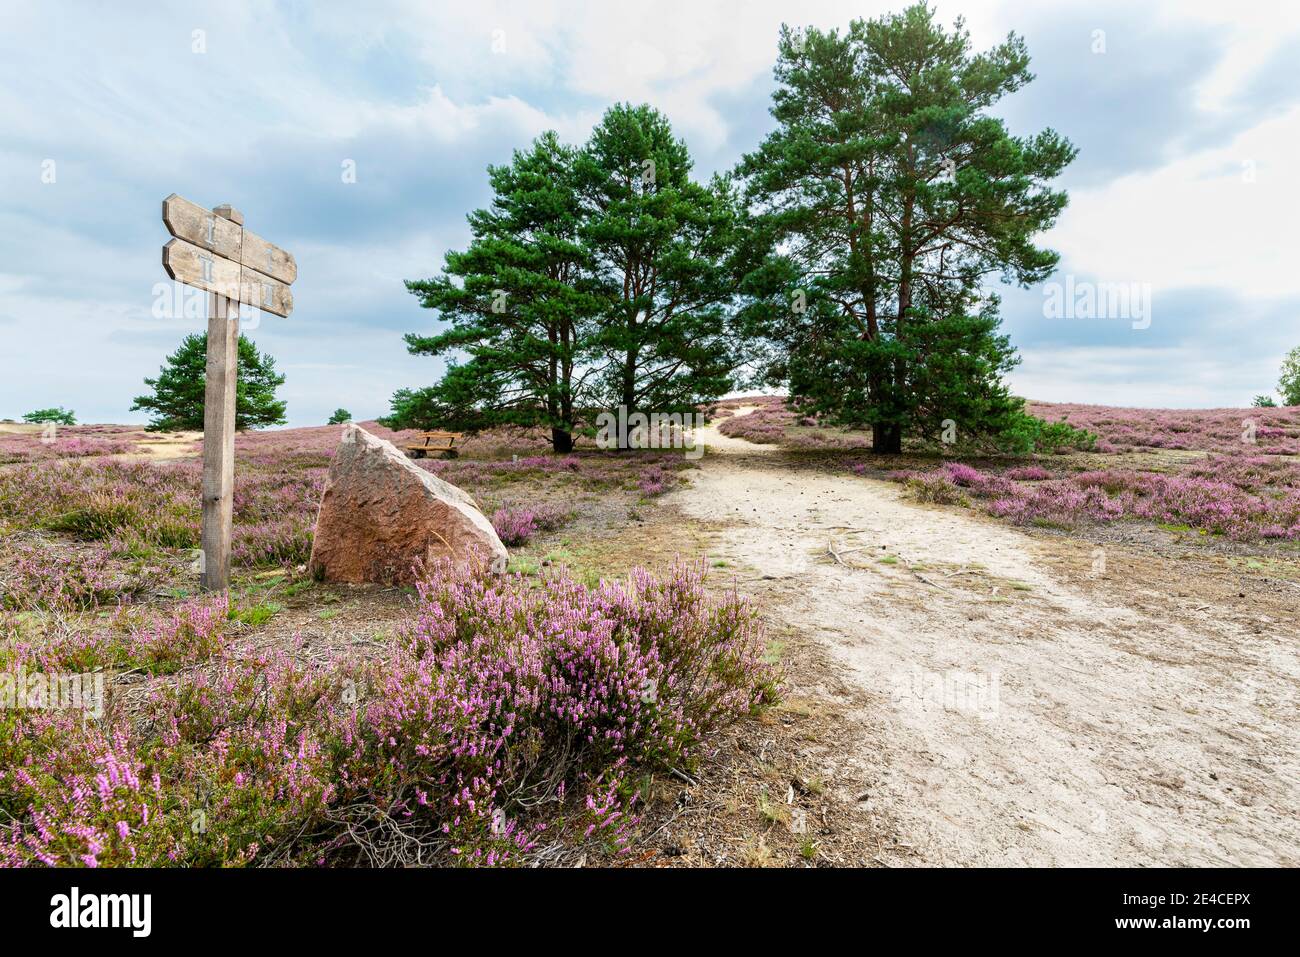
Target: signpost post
(212,251)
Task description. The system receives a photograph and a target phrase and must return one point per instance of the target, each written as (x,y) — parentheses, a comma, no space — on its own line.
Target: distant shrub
(1027,433)
(1241,497)
(57,415)
(1028,473)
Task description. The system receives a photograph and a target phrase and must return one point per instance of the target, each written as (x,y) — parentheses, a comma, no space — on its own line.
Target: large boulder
(380,514)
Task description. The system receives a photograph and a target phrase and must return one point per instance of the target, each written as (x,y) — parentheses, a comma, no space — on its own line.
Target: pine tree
(57,415)
(890,194)
(667,250)
(520,300)
(178,392)
(598,277)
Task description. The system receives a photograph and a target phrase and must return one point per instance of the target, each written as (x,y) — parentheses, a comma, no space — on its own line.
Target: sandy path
(163,447)
(1018,708)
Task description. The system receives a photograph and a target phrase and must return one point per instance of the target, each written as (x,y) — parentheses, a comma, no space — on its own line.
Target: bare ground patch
(1145,696)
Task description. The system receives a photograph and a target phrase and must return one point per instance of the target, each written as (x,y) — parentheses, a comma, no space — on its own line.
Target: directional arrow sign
(196,266)
(215,253)
(257,253)
(267,294)
(202,227)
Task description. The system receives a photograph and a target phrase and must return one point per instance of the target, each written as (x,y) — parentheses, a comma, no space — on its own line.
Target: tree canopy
(1289,384)
(57,415)
(845,259)
(178,393)
(599,276)
(887,194)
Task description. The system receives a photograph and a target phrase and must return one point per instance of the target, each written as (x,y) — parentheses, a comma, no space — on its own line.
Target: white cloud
(131,113)
(1198,221)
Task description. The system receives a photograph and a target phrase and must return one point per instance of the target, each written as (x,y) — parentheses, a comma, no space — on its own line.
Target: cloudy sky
(1187,117)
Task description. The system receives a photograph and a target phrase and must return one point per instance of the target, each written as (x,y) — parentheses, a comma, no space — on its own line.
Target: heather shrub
(503,710)
(35,577)
(102,500)
(515,525)
(1209,430)
(766,425)
(136,507)
(75,795)
(224,770)
(284,541)
(1239,497)
(964,475)
(37,448)
(505,695)
(936,490)
(772,422)
(252,753)
(1028,473)
(133,638)
(653,481)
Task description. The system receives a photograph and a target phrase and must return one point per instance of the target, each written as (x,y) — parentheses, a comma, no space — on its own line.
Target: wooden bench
(441,442)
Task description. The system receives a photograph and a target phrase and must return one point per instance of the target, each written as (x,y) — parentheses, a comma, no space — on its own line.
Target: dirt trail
(1020,703)
(163,447)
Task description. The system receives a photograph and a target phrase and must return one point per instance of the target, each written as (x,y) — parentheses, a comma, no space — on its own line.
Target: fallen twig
(683,776)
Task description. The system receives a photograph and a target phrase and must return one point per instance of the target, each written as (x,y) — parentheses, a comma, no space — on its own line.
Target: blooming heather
(501,710)
(515,526)
(1241,497)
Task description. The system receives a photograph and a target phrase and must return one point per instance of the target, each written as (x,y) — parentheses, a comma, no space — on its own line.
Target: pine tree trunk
(561,440)
(886,439)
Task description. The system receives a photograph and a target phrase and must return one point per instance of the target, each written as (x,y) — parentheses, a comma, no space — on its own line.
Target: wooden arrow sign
(267,294)
(257,253)
(196,266)
(202,227)
(216,253)
(213,251)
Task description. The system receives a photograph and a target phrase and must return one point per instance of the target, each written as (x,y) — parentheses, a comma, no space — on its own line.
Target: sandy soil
(163,446)
(149,446)
(1021,699)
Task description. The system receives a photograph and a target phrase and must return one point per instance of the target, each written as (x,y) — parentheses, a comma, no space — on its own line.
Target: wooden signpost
(212,251)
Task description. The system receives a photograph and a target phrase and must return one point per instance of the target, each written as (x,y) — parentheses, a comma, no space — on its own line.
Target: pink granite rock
(380,514)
